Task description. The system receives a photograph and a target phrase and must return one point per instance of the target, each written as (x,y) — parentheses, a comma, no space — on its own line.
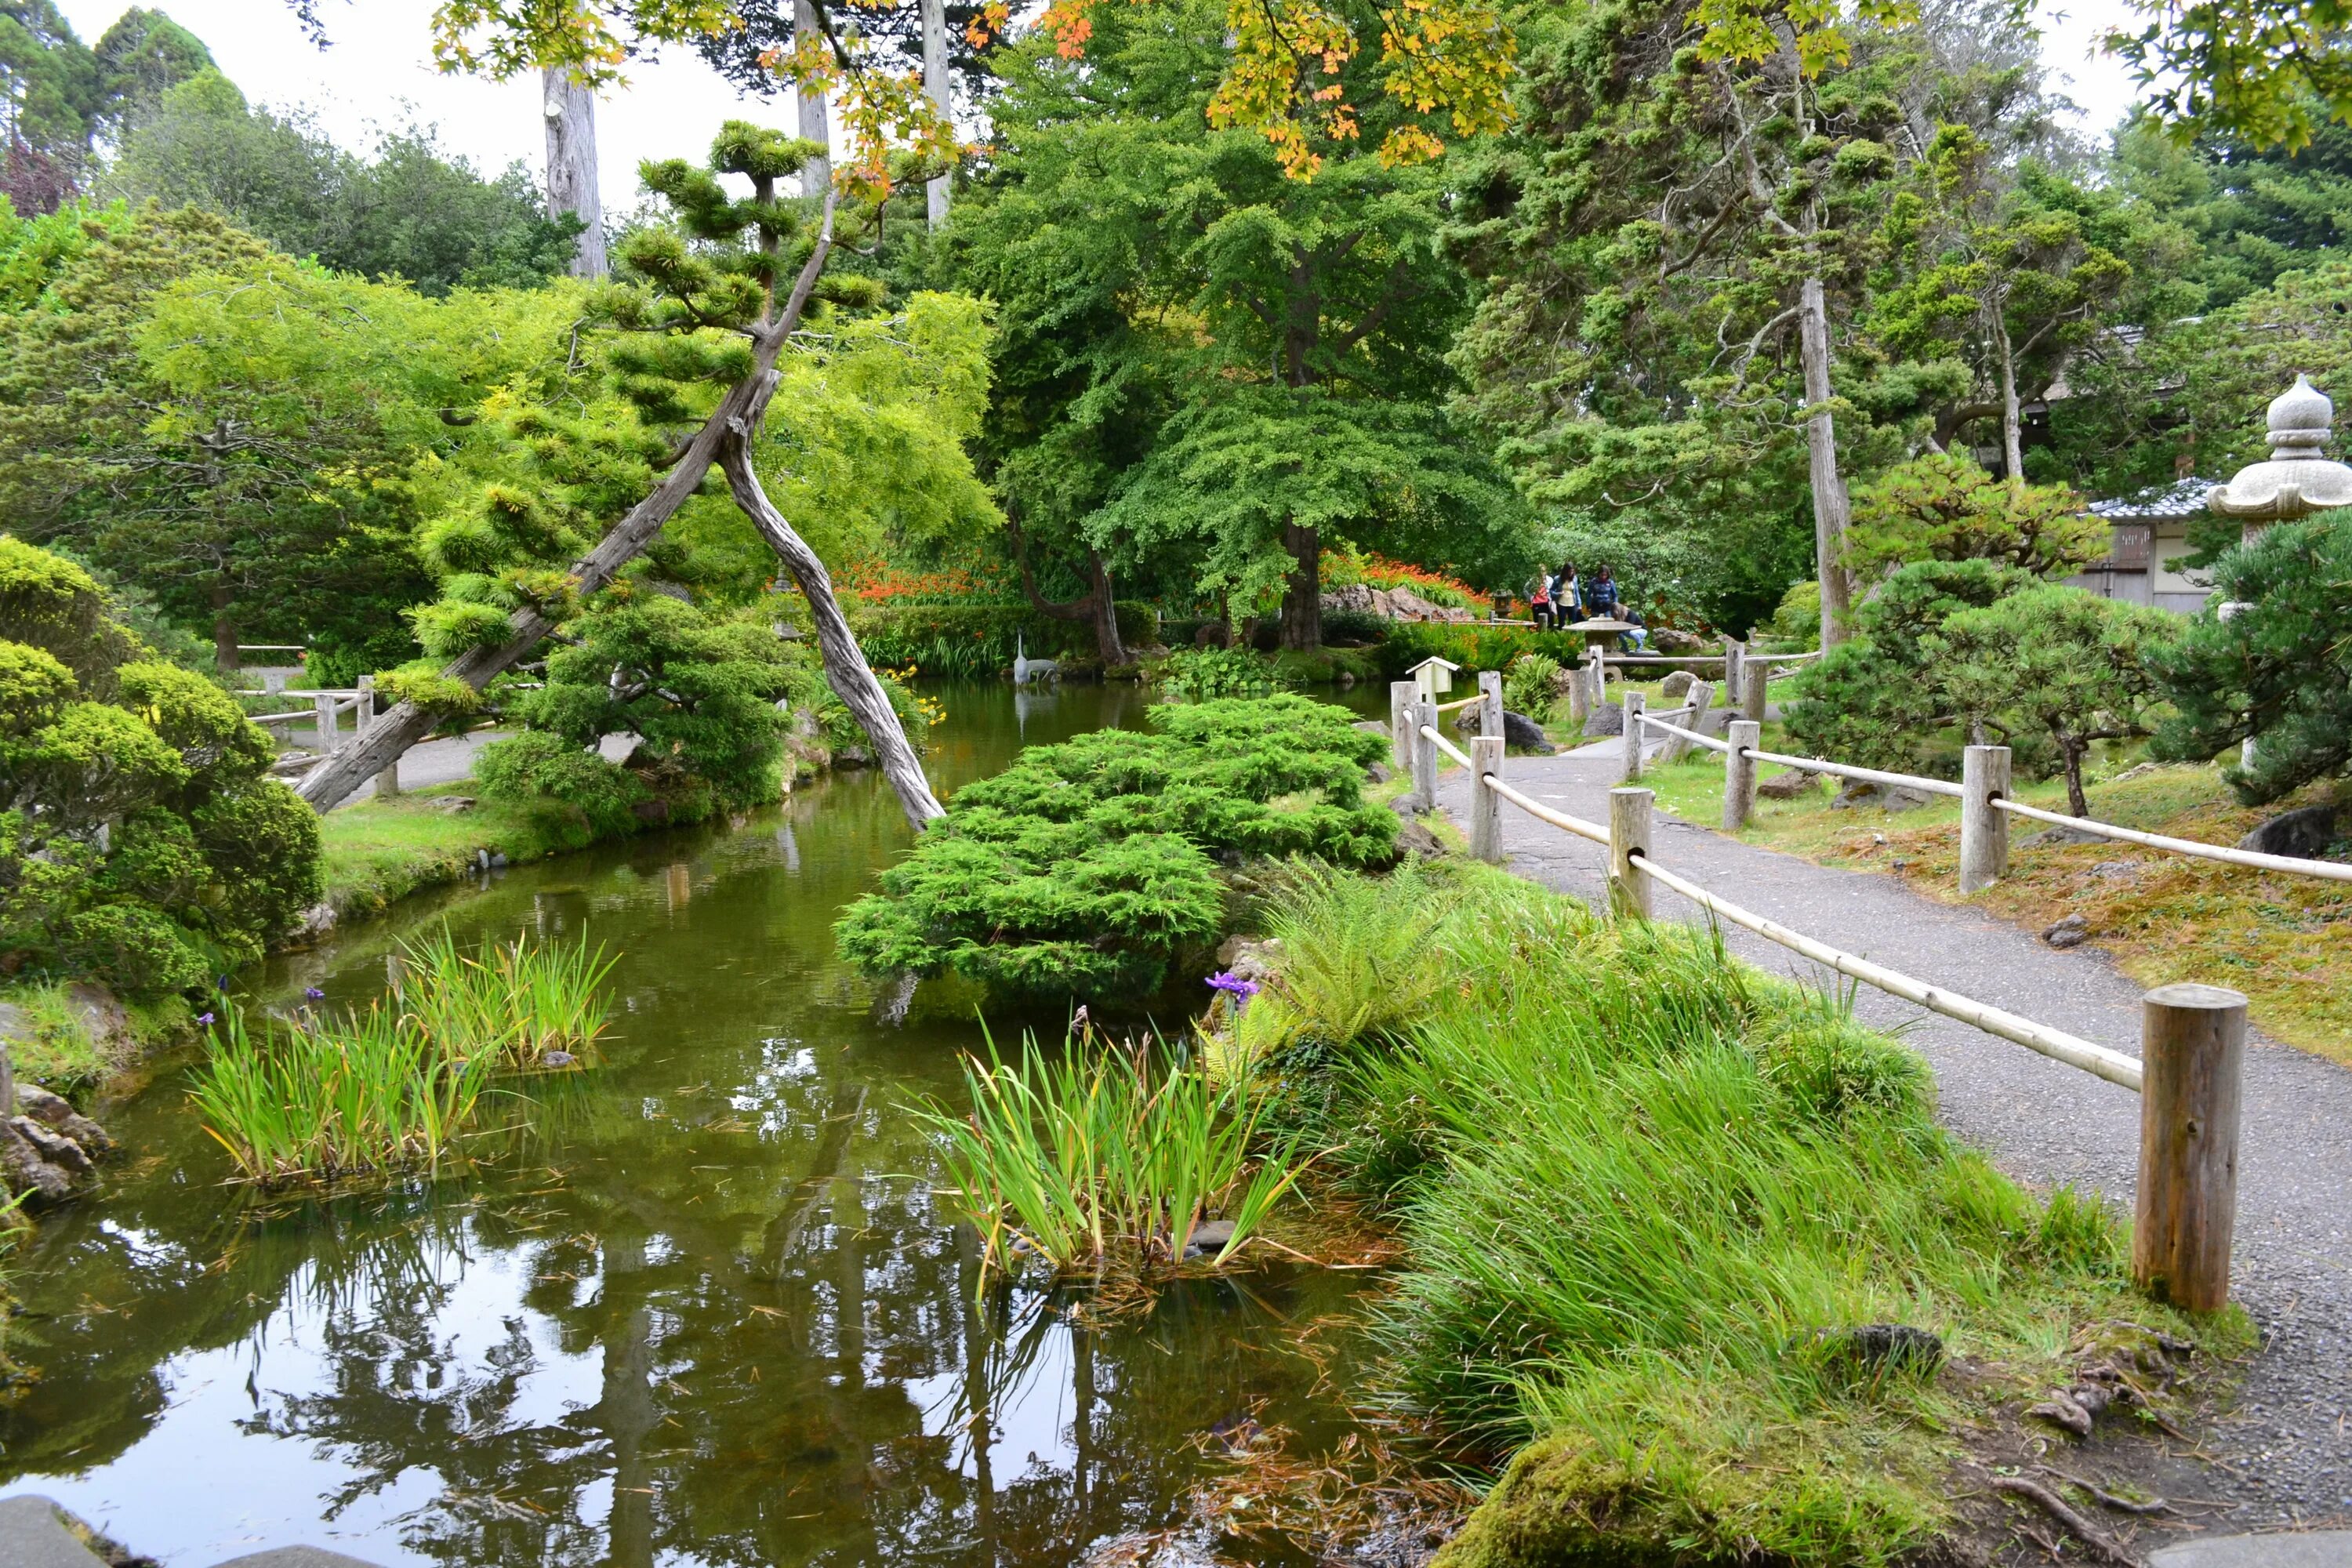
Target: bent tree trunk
(1302,593)
(330,784)
(1101,605)
(1831,511)
(845,668)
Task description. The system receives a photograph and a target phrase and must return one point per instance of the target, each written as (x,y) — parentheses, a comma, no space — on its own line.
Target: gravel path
(2290,1436)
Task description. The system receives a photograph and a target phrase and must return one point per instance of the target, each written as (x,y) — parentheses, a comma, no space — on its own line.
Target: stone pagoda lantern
(2298,479)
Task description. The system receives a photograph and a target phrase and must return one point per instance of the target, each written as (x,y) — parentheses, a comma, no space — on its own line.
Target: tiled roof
(2157,503)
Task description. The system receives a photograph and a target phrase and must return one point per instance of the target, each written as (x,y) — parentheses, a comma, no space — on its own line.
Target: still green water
(705,1309)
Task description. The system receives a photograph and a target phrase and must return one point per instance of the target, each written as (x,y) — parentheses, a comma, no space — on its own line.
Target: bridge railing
(2193,1038)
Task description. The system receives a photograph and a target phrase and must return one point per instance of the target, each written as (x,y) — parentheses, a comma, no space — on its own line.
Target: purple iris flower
(314,993)
(1235,986)
(204,1018)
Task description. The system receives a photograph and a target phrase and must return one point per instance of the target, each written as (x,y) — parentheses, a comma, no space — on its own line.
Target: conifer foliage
(1088,868)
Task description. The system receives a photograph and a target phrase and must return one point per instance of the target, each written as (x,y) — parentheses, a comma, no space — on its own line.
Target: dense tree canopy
(1204,359)
(410,211)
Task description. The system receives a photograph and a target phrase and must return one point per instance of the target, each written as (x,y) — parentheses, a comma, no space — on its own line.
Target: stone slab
(295,1557)
(2284,1549)
(33,1534)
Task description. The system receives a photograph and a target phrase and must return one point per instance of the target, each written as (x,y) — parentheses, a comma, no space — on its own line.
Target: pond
(705,1309)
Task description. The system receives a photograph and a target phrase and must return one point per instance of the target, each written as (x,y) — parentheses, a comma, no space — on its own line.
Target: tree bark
(1302,594)
(845,663)
(2077,802)
(816,174)
(1107,642)
(327,785)
(1831,510)
(224,655)
(935,88)
(571,112)
(2012,436)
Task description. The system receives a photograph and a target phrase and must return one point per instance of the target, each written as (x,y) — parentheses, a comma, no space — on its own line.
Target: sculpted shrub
(141,843)
(1089,867)
(1877,698)
(1941,508)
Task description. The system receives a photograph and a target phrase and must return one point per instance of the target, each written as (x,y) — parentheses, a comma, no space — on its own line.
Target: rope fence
(2325,870)
(2189,1068)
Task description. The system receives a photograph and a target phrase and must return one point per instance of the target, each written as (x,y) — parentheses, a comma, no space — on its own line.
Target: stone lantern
(2298,479)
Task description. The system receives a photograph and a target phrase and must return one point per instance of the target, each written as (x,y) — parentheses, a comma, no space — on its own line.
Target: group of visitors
(1558,600)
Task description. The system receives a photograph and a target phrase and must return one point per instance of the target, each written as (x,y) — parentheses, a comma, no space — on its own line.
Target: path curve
(2290,1435)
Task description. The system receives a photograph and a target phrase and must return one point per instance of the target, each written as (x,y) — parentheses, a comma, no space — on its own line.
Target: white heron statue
(1027,671)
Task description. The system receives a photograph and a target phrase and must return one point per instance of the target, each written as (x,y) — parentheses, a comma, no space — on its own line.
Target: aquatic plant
(331,1095)
(1103,1160)
(519,999)
(362,1093)
(1204,674)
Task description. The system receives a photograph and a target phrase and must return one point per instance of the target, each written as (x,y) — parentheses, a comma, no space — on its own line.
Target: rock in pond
(1209,1238)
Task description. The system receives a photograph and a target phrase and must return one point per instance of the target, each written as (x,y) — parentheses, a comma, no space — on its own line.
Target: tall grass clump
(331,1096)
(521,999)
(1105,1163)
(364,1094)
(1645,1192)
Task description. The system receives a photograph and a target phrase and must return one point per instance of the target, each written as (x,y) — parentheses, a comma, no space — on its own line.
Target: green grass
(1103,1160)
(53,1045)
(1640,1188)
(377,851)
(324,1096)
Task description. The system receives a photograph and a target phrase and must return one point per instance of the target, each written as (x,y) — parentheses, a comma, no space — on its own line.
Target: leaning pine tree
(704,310)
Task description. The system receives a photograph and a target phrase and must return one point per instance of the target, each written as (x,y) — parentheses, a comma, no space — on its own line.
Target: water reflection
(708,1311)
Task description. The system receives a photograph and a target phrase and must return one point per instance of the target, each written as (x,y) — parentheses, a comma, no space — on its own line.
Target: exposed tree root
(2101,1543)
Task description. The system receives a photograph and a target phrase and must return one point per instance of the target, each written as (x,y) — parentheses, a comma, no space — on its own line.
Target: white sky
(380,63)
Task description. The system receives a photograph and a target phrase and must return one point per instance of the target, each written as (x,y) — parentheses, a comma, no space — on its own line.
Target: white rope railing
(2327,870)
(1448,747)
(2056,1044)
(1709,741)
(1867,775)
(1463,702)
(1542,812)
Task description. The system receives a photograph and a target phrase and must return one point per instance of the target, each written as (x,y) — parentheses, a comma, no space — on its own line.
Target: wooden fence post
(1734,654)
(1630,893)
(1634,703)
(1596,664)
(1579,695)
(2192,1048)
(1984,830)
(1424,755)
(1402,695)
(325,707)
(1740,774)
(1486,806)
(1678,748)
(1490,702)
(1753,680)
